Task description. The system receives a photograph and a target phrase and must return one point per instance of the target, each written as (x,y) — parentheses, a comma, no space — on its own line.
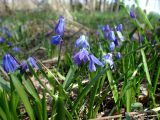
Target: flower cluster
(59,30)
(5,32)
(84,56)
(114,39)
(109,34)
(10,64)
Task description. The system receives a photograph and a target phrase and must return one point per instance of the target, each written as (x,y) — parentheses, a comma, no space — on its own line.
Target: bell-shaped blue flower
(31,61)
(82,42)
(6,31)
(82,55)
(2,40)
(116,42)
(59,28)
(119,27)
(112,36)
(118,55)
(10,44)
(141,38)
(56,39)
(111,46)
(9,63)
(107,28)
(16,49)
(93,61)
(132,14)
(108,59)
(24,66)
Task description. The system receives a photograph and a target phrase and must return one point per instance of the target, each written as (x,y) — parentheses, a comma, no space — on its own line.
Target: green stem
(59,54)
(156,78)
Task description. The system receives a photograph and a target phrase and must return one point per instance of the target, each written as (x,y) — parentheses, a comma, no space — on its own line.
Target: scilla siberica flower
(59,28)
(119,27)
(82,42)
(82,55)
(108,59)
(116,42)
(112,36)
(2,40)
(132,14)
(9,63)
(16,49)
(111,46)
(56,39)
(6,31)
(10,44)
(31,61)
(118,55)
(93,61)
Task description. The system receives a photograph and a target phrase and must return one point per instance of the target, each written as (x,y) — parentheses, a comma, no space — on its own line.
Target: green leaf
(69,77)
(2,114)
(21,92)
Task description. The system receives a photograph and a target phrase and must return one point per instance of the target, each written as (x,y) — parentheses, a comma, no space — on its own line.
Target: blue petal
(112,36)
(132,14)
(10,64)
(82,42)
(92,66)
(95,60)
(119,27)
(59,29)
(111,46)
(16,49)
(56,39)
(32,62)
(118,55)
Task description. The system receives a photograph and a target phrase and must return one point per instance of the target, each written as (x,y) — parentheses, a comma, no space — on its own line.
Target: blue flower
(132,14)
(59,28)
(111,46)
(107,28)
(10,44)
(116,42)
(82,42)
(9,63)
(6,31)
(24,66)
(56,39)
(82,55)
(141,38)
(108,59)
(2,40)
(31,61)
(16,49)
(118,55)
(93,61)
(112,36)
(119,27)
(154,42)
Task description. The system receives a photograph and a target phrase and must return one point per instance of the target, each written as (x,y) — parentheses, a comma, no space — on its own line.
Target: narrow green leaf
(69,77)
(3,114)
(20,90)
